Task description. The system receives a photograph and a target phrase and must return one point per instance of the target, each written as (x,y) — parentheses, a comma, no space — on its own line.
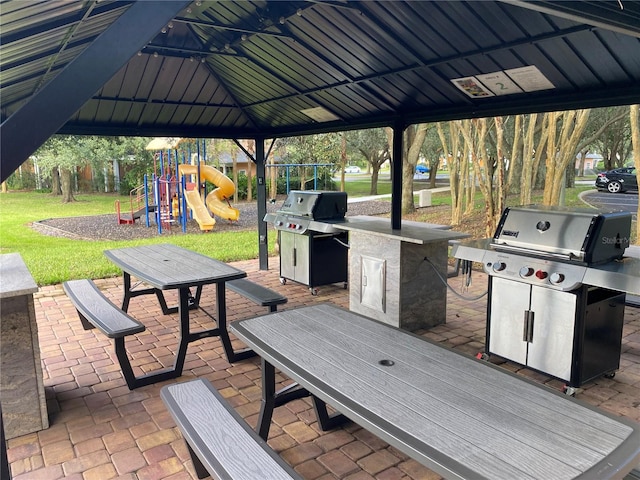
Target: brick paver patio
(101,430)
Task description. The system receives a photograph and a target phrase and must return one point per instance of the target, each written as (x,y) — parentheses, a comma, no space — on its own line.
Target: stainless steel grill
(312,251)
(557,283)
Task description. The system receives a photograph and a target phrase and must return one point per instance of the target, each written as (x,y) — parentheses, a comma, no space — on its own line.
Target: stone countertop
(411,232)
(15,278)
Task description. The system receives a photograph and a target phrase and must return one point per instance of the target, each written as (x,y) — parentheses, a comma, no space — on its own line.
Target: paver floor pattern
(101,430)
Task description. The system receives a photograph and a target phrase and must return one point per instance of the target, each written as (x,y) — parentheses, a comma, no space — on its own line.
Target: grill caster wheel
(314,291)
(344,285)
(283,281)
(609,375)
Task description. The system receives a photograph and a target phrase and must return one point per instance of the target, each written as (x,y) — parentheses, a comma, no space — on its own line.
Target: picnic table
(169,267)
(459,416)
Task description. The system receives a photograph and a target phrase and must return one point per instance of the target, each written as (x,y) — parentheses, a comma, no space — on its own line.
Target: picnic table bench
(220,442)
(97,311)
(459,416)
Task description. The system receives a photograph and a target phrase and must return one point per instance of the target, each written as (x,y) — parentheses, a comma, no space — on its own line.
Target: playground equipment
(138,206)
(215,200)
(170,196)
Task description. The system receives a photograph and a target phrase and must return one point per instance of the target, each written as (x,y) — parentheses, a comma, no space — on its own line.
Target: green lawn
(53,260)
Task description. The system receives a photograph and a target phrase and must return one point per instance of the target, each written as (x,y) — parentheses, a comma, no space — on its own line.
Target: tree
(432,151)
(64,154)
(372,144)
(610,133)
(310,150)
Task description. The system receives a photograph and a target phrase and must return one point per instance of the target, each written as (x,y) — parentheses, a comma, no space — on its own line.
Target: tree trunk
(234,158)
(514,171)
(583,159)
(273,178)
(66,185)
(414,136)
(56,188)
(455,180)
(501,186)
(634,112)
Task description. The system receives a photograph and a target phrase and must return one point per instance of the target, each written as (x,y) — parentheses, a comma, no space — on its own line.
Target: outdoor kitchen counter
(398,276)
(24,407)
(412,232)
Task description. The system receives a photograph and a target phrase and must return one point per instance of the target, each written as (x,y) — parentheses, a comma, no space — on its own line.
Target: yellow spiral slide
(216,199)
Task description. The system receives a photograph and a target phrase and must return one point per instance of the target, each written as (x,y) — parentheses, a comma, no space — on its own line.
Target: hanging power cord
(467,272)
(345,245)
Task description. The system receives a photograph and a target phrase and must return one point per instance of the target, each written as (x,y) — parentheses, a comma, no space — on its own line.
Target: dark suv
(618,180)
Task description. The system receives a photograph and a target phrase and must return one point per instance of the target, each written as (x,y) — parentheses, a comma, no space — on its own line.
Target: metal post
(261,186)
(396,175)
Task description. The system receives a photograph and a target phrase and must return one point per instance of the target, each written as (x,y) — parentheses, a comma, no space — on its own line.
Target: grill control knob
(526,272)
(499,266)
(279,223)
(556,278)
(541,275)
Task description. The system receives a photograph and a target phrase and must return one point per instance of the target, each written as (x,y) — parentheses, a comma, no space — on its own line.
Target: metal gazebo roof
(242,69)
(268,68)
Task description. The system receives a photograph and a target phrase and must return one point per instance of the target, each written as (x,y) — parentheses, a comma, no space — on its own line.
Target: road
(627,202)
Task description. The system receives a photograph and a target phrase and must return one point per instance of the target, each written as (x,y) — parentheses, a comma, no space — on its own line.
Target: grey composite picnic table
(461,417)
(169,267)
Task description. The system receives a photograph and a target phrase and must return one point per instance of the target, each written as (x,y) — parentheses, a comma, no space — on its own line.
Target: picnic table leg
(272,398)
(326,421)
(185,335)
(221,302)
(126,278)
(129,294)
(268,399)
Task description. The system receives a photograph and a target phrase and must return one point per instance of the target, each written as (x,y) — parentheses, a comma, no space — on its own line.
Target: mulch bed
(106,227)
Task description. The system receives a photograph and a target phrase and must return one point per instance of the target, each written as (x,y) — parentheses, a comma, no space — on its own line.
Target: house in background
(225,163)
(590,162)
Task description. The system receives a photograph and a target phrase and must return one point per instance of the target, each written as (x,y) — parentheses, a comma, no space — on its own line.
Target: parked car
(352,169)
(618,180)
(422,169)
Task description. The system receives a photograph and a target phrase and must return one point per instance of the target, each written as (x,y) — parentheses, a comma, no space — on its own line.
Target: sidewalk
(101,430)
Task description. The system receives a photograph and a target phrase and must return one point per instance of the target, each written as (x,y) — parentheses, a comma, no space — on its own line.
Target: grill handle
(537,253)
(527,331)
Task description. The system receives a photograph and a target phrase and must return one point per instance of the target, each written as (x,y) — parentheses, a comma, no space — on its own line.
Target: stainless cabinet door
(551,347)
(303,259)
(287,252)
(509,302)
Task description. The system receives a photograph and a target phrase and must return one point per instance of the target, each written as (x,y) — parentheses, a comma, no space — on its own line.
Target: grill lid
(573,234)
(315,204)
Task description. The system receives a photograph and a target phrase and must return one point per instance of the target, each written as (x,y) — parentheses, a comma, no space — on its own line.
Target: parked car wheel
(614,187)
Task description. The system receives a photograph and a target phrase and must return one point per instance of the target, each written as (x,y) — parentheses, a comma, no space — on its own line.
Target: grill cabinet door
(551,346)
(287,252)
(509,302)
(294,257)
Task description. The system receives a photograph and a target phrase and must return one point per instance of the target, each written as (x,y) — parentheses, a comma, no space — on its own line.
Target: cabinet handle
(295,258)
(527,333)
